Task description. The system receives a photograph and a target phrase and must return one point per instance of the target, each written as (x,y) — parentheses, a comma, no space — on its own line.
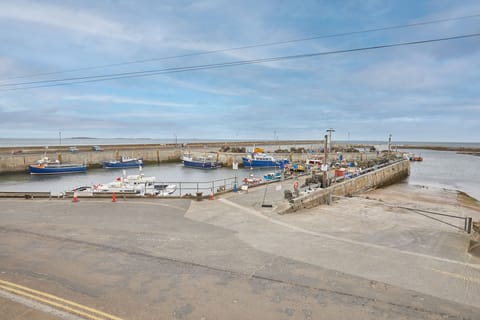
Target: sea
(440,169)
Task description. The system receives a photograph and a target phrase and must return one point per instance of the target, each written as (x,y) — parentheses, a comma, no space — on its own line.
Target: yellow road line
(458,276)
(23,291)
(58,305)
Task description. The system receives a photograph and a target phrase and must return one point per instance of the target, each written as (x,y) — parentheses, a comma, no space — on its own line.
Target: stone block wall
(378,178)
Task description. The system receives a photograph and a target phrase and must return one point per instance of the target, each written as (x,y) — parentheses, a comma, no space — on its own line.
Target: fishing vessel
(272,176)
(124,162)
(200,162)
(45,166)
(258,160)
(416,158)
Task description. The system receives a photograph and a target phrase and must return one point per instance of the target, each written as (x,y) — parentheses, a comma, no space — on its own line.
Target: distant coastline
(463,147)
(458,149)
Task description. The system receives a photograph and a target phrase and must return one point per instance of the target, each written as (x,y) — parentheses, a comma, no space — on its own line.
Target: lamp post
(325,163)
(330,138)
(60,137)
(389,145)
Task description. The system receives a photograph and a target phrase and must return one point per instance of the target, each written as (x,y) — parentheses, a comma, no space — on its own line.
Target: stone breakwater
(378,178)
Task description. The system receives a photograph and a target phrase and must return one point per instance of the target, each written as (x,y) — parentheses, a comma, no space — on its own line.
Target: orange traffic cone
(211,197)
(114,197)
(75,197)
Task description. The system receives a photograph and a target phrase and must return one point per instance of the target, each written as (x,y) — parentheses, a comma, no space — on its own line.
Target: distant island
(81,138)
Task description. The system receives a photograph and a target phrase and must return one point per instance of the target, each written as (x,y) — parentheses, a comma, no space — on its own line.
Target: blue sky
(427,92)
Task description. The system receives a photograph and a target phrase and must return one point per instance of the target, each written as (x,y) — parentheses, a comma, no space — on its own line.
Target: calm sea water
(174,173)
(447,170)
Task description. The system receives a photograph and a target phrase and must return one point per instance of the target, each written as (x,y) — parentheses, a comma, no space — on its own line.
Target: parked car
(97,148)
(73,149)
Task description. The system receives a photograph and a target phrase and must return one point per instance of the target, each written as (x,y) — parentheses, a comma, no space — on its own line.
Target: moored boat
(315,160)
(124,162)
(46,167)
(200,162)
(258,160)
(272,176)
(413,157)
(416,158)
(131,185)
(251,180)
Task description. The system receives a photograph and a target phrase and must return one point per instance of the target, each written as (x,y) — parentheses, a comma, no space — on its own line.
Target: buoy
(75,197)
(114,197)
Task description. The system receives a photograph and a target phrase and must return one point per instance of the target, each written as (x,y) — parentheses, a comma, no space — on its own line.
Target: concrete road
(232,259)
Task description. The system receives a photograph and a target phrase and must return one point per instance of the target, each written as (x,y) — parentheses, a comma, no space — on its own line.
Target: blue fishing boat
(124,162)
(45,166)
(273,176)
(257,160)
(200,162)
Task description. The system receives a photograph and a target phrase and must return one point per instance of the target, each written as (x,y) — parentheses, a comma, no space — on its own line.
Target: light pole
(60,137)
(330,138)
(389,145)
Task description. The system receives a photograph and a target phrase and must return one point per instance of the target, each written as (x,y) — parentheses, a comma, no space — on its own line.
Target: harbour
(164,163)
(239,160)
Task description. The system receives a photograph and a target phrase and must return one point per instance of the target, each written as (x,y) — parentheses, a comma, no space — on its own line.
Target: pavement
(235,258)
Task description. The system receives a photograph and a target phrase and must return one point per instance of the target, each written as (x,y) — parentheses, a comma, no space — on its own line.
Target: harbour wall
(20,162)
(387,175)
(18,159)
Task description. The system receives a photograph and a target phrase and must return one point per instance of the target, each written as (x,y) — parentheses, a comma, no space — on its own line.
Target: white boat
(315,161)
(132,184)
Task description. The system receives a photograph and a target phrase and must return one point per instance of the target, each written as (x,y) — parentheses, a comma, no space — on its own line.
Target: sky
(424,92)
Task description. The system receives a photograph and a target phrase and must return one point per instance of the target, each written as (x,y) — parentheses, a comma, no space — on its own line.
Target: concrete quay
(232,258)
(377,178)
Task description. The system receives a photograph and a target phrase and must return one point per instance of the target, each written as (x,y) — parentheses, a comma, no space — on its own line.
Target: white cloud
(123,100)
(77,20)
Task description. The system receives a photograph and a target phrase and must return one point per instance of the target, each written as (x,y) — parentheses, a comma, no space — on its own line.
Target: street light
(389,145)
(330,138)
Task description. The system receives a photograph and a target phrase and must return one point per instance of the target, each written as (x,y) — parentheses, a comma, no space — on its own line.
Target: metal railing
(187,188)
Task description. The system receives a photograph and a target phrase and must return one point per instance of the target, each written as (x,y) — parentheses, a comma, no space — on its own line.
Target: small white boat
(133,184)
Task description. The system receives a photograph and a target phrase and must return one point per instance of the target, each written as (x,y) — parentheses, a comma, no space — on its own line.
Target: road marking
(55,301)
(349,241)
(454,275)
(32,304)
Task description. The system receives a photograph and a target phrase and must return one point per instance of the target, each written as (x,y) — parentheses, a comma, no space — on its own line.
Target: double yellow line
(56,302)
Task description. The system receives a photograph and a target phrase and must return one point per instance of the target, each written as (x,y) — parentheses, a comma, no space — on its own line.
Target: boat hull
(200,164)
(253,163)
(272,177)
(56,169)
(122,165)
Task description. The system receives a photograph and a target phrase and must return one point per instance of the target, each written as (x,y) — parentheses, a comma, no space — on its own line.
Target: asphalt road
(225,259)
